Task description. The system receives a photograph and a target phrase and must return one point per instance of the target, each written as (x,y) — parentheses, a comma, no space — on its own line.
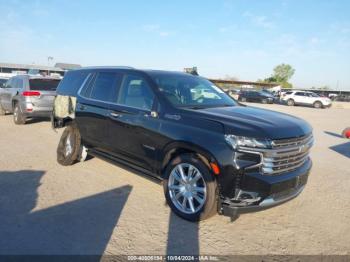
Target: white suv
(305,98)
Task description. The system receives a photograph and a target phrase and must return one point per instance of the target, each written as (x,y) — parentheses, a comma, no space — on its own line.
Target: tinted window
(313,95)
(9,83)
(89,84)
(300,94)
(43,84)
(136,93)
(19,83)
(71,82)
(289,93)
(2,82)
(103,86)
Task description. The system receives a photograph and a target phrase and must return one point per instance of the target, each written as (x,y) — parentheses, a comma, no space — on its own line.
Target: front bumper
(272,190)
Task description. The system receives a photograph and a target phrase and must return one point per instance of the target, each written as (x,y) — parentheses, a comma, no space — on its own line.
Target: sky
(244,39)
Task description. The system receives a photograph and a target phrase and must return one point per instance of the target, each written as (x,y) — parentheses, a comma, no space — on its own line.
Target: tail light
(31,93)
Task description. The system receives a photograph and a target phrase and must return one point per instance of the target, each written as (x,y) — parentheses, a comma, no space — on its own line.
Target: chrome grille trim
(291,141)
(285,155)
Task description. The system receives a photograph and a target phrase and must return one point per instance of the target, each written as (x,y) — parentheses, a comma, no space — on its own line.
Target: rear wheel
(317,104)
(190,189)
(18,117)
(69,148)
(290,102)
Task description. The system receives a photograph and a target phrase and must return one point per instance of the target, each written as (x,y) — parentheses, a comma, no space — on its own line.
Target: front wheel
(317,104)
(18,117)
(290,102)
(264,101)
(190,189)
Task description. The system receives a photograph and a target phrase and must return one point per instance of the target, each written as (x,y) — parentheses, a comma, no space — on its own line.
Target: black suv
(256,96)
(212,153)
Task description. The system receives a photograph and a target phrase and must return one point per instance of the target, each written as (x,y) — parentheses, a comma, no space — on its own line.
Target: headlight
(241,141)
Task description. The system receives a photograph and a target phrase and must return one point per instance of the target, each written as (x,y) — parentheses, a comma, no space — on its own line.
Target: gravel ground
(96,207)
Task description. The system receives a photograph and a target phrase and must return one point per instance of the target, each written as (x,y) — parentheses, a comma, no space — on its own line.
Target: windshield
(314,95)
(191,91)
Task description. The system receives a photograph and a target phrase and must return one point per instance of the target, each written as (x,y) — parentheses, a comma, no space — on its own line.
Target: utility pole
(48,64)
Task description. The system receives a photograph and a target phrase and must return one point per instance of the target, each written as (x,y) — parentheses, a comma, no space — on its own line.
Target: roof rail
(108,67)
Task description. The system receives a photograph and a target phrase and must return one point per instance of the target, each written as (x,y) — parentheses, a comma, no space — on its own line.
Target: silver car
(28,96)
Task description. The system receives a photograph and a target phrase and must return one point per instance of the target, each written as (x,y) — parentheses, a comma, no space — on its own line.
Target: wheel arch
(318,101)
(14,103)
(180,147)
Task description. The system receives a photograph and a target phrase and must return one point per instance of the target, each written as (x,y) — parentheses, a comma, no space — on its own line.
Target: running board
(114,160)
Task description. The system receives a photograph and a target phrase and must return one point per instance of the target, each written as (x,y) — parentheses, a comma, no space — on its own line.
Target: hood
(256,122)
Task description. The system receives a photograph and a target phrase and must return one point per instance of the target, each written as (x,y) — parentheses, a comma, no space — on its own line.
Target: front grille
(286,155)
(296,141)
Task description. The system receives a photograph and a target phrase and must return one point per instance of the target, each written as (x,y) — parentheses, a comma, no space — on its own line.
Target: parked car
(213,154)
(28,97)
(256,96)
(292,98)
(343,98)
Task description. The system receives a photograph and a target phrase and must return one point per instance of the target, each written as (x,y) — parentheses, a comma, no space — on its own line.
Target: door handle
(151,114)
(113,114)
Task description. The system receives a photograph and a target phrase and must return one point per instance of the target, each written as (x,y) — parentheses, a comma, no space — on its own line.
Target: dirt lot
(96,207)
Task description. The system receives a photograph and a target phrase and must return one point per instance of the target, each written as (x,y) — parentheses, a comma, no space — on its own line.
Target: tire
(318,104)
(205,189)
(290,102)
(18,116)
(264,101)
(69,148)
(346,133)
(2,111)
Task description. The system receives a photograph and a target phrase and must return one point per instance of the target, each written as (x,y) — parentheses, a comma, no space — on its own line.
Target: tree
(283,72)
(281,75)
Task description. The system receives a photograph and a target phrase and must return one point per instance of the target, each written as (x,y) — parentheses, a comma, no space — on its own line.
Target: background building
(7,69)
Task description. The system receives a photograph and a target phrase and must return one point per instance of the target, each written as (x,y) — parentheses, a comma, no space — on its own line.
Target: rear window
(43,84)
(71,82)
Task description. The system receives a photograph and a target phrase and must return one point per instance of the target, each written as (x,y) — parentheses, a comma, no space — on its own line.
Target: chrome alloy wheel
(187,188)
(68,146)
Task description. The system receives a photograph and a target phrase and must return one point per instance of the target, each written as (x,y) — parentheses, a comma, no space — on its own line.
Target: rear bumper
(271,190)
(38,114)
